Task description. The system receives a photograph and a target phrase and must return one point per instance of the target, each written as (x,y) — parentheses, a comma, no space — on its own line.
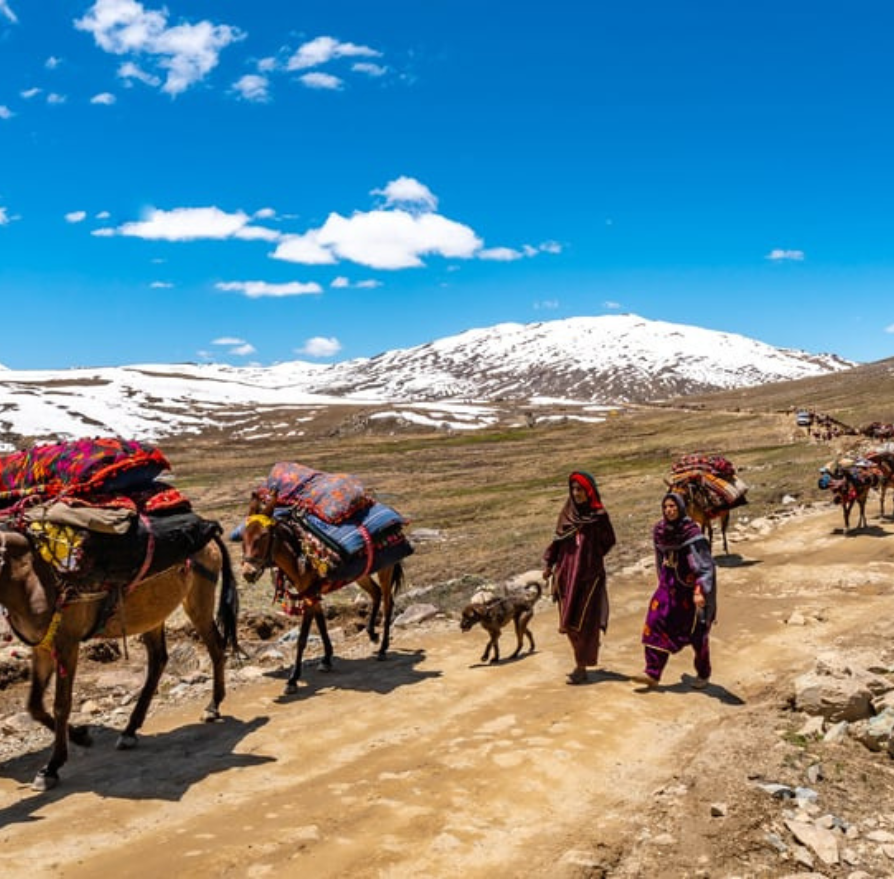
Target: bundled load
(848,475)
(713,477)
(344,532)
(97,512)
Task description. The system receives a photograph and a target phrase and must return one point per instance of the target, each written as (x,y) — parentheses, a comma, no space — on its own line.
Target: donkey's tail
(228,605)
(397,578)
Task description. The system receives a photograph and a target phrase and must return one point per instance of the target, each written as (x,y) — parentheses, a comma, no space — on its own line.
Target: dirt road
(431,764)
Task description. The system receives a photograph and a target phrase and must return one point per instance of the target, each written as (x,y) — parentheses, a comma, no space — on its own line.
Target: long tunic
(579,581)
(672,620)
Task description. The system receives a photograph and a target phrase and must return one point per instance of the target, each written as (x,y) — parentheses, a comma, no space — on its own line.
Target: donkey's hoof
(291,688)
(210,714)
(44,781)
(126,742)
(80,735)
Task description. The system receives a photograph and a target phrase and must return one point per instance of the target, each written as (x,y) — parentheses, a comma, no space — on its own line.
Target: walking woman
(684,605)
(574,559)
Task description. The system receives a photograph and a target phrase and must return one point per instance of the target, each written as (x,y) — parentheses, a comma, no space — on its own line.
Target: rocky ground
(431,764)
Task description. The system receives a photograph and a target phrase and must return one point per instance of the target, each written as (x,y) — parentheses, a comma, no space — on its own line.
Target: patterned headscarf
(677,534)
(573,515)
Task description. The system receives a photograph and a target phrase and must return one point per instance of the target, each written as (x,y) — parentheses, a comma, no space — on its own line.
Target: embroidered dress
(683,562)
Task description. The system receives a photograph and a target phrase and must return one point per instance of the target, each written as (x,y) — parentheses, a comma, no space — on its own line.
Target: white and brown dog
(495,611)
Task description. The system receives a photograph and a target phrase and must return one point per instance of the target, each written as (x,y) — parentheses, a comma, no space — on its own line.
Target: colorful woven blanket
(78,468)
(332,497)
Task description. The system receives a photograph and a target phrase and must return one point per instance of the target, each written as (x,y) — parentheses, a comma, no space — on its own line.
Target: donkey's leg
(156,660)
(66,661)
(199,607)
(323,629)
(375,593)
(389,580)
(292,683)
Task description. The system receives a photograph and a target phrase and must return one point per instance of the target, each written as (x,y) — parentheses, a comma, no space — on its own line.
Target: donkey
(270,542)
(44,616)
(850,487)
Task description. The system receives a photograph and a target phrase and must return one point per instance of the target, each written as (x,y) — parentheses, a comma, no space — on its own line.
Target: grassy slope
(493,495)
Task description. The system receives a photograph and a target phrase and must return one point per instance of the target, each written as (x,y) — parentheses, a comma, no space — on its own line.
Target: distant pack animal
(495,612)
(711,488)
(849,480)
(883,459)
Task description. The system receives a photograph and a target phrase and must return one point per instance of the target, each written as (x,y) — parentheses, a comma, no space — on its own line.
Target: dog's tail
(538,590)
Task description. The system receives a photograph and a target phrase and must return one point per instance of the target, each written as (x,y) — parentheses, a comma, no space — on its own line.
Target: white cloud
(106,98)
(5,112)
(369,68)
(186,53)
(320,346)
(76,216)
(408,191)
(243,350)
(6,10)
(500,254)
(611,304)
(103,215)
(27,94)
(54,98)
(342,283)
(128,71)
(228,340)
(550,247)
(322,49)
(4,217)
(258,289)
(252,87)
(52,62)
(325,81)
(889,329)
(265,214)
(161,285)
(546,305)
(381,240)
(778,254)
(191,224)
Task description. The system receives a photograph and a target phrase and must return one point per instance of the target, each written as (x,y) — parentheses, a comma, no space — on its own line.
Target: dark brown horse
(54,624)
(270,542)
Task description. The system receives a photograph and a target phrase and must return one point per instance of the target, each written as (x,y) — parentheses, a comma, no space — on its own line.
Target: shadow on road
(361,675)
(163,767)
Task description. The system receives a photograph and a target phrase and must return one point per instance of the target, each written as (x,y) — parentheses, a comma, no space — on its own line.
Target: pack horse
(319,532)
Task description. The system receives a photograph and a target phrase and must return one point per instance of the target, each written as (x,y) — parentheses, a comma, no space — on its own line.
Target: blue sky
(256,182)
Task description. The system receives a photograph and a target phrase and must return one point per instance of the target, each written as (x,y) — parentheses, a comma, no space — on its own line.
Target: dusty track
(430,764)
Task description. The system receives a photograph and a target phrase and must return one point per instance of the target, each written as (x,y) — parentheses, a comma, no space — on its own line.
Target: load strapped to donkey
(711,488)
(98,515)
(343,532)
(93,544)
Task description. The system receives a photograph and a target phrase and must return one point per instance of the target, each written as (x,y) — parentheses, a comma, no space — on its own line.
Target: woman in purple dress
(574,559)
(684,605)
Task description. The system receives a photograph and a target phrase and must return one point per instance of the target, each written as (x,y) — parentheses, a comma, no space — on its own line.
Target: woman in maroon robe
(574,559)
(684,604)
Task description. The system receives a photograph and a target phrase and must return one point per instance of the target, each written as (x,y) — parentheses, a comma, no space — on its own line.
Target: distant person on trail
(684,605)
(574,561)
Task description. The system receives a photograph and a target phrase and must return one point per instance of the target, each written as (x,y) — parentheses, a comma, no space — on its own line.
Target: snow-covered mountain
(594,362)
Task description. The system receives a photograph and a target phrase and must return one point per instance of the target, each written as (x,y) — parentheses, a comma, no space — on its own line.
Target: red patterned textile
(79,467)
